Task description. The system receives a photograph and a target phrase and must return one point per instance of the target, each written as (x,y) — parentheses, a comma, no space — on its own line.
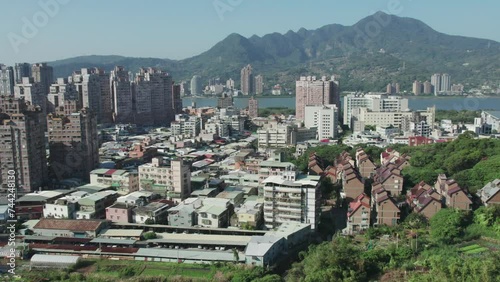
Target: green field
(473,249)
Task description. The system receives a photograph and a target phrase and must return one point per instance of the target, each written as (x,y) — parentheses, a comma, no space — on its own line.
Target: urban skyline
(317,155)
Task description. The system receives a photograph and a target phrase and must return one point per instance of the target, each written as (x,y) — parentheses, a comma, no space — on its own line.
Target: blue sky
(184,28)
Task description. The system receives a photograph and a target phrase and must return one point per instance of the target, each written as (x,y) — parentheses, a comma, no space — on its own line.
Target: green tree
(149,235)
(447,226)
(149,221)
(415,221)
(338,260)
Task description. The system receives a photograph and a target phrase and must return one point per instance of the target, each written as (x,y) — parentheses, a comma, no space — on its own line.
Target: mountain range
(377,50)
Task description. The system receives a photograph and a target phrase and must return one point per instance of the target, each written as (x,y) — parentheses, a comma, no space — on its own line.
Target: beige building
(247,80)
(253,108)
(172,179)
(123,181)
(23,149)
(73,144)
(276,135)
(43,73)
(395,118)
(259,84)
(315,92)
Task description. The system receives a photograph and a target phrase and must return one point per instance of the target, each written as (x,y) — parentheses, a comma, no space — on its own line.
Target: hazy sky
(184,28)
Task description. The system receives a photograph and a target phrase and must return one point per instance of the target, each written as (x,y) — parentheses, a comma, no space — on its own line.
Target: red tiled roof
(69,224)
(110,172)
(354,206)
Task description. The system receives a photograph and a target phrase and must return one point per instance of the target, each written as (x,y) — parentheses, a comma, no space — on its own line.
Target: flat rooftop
(201,239)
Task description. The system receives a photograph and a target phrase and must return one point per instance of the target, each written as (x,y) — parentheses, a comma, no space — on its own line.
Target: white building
(123,181)
(373,102)
(214,213)
(153,212)
(276,135)
(324,118)
(172,179)
(137,198)
(32,91)
(365,116)
(60,208)
(492,120)
(189,126)
(296,201)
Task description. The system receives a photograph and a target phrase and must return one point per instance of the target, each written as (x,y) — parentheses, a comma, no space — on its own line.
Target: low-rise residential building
(170,178)
(385,209)
(490,193)
(182,215)
(152,213)
(296,201)
(358,214)
(390,178)
(352,184)
(454,195)
(60,208)
(285,170)
(137,198)
(423,199)
(215,213)
(119,212)
(250,214)
(235,197)
(30,206)
(123,181)
(89,228)
(365,166)
(94,206)
(264,250)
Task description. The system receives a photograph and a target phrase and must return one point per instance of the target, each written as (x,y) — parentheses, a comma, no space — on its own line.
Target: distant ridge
(366,58)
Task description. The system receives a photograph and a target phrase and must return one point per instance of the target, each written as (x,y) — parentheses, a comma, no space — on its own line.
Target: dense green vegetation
(443,249)
(463,116)
(276,111)
(471,162)
(133,271)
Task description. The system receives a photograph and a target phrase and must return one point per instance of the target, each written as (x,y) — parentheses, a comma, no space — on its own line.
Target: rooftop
(202,239)
(122,233)
(113,241)
(189,254)
(69,224)
(260,245)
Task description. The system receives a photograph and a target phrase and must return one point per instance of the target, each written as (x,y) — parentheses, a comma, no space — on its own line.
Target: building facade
(315,92)
(247,80)
(23,152)
(172,179)
(324,118)
(292,201)
(121,93)
(73,144)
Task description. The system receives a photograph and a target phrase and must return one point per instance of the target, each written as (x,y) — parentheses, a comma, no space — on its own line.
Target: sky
(46,30)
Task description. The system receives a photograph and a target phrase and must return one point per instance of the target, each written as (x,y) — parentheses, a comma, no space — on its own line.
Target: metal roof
(113,241)
(260,245)
(188,254)
(202,239)
(54,259)
(122,233)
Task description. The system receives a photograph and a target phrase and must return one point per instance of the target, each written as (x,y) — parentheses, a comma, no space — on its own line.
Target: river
(415,103)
